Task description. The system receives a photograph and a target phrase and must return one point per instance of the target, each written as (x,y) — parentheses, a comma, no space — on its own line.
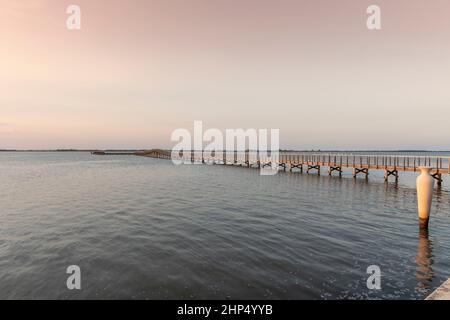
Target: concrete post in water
(424,184)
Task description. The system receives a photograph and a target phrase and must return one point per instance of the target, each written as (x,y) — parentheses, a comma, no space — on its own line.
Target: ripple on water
(142,228)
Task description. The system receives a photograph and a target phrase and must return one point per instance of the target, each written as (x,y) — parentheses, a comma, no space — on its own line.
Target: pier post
(365,171)
(258,162)
(438,177)
(247,158)
(424,184)
(310,167)
(338,169)
(388,173)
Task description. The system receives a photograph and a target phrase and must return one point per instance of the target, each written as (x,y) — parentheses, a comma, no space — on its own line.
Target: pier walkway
(392,165)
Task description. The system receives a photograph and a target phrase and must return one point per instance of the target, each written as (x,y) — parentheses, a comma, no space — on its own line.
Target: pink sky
(140,69)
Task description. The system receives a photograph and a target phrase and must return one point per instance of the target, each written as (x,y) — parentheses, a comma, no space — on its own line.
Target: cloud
(5,128)
(19,9)
(21,5)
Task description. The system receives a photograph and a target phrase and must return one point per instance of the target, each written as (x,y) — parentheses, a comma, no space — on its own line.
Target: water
(142,228)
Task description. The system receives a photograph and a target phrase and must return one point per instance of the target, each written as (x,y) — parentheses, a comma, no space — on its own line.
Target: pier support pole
(424,184)
(338,169)
(364,171)
(388,173)
(438,177)
(310,167)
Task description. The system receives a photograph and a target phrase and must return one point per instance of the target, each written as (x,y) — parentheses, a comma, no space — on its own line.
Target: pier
(441,293)
(112,153)
(314,163)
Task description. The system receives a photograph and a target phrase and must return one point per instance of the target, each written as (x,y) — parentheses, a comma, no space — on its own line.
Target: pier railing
(400,162)
(335,162)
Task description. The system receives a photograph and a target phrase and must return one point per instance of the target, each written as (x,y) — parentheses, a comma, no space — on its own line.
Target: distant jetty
(99,153)
(115,153)
(154,153)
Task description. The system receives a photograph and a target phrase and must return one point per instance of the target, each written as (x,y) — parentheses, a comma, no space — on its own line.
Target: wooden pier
(441,293)
(155,153)
(392,165)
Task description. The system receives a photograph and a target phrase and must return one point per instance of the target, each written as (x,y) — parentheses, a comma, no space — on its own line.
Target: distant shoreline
(137,150)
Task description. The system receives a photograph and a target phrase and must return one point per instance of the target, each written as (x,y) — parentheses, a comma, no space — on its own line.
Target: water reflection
(166,226)
(424,262)
(391,185)
(439,197)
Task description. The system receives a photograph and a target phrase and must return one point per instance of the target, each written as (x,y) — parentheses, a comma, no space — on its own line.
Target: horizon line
(282,150)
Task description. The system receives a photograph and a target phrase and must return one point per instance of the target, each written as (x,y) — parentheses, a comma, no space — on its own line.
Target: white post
(424,184)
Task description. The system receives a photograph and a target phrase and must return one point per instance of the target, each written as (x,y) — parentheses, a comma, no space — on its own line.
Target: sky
(137,70)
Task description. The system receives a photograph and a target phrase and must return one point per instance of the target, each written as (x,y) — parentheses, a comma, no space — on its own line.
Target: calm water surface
(142,228)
